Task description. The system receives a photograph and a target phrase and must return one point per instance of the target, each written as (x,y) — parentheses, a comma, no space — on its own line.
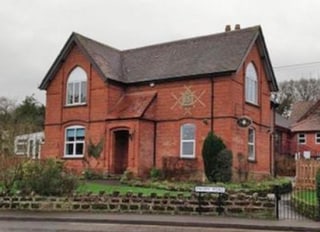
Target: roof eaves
(58,61)
(309,111)
(247,51)
(86,53)
(267,62)
(266,59)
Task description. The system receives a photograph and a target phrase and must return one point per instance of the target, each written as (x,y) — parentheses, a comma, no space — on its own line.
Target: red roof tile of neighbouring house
(305,116)
(299,109)
(132,105)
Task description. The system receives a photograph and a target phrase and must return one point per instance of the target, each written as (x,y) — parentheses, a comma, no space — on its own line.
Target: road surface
(43,226)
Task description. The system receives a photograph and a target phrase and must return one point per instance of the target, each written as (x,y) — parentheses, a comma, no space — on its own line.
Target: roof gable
(213,54)
(309,119)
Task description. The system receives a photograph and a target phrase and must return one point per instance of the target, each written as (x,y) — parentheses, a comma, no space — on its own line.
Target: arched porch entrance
(121,149)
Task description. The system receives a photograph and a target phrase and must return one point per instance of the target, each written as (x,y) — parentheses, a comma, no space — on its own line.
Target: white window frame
(301,138)
(317,138)
(251,84)
(21,146)
(74,143)
(189,140)
(252,144)
(77,82)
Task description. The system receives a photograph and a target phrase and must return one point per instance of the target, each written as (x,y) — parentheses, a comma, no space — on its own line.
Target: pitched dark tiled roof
(108,59)
(217,53)
(213,54)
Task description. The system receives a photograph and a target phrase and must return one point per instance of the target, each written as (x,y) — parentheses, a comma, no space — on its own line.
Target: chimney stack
(237,27)
(228,28)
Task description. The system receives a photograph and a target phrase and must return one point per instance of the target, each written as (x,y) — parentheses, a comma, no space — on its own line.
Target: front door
(121,151)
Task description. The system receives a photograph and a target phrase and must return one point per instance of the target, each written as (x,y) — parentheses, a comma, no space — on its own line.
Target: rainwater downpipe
(212,103)
(154,143)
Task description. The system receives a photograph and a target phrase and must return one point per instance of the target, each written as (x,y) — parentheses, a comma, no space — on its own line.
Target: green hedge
(305,208)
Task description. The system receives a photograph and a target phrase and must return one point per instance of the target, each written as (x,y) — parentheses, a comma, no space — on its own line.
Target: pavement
(200,221)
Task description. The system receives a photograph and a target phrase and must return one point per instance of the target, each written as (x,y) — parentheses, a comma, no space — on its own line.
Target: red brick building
(153,106)
(300,134)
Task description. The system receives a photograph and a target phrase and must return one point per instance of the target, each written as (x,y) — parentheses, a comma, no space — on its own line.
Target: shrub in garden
(224,166)
(10,168)
(46,178)
(155,173)
(211,149)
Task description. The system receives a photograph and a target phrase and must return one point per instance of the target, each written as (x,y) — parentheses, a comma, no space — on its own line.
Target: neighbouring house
(154,106)
(301,137)
(29,145)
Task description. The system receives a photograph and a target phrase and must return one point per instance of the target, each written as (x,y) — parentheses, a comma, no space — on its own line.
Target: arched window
(188,142)
(77,87)
(74,141)
(251,83)
(251,144)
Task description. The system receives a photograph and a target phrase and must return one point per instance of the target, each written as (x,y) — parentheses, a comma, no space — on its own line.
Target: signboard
(209,189)
(244,121)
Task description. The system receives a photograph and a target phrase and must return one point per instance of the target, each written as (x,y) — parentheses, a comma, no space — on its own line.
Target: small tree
(212,146)
(224,166)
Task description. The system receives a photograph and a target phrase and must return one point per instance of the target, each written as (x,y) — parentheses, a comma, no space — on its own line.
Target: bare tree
(296,90)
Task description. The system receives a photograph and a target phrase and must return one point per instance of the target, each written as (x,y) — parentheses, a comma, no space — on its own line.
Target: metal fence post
(277,198)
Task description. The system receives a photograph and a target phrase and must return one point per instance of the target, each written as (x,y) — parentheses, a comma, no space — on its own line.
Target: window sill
(252,161)
(187,157)
(252,104)
(75,105)
(73,157)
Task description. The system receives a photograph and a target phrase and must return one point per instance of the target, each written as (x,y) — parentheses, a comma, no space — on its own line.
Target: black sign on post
(209,189)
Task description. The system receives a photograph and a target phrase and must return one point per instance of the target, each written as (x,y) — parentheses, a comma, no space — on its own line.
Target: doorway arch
(121,150)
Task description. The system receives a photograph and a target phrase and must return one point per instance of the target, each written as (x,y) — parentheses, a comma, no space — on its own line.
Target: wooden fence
(306,171)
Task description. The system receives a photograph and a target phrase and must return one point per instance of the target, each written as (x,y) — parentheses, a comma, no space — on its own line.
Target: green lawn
(123,189)
(308,196)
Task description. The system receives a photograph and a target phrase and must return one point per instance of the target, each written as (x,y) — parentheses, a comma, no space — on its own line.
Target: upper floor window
(74,141)
(251,84)
(251,144)
(187,145)
(302,138)
(77,87)
(317,137)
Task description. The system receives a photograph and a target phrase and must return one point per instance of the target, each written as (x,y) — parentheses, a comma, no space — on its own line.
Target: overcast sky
(34,31)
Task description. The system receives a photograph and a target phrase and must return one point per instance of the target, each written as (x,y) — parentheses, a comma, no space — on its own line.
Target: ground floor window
(74,141)
(187,145)
(317,138)
(302,138)
(251,144)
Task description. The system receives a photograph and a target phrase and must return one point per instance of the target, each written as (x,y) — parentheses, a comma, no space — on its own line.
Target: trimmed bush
(211,149)
(224,166)
(46,178)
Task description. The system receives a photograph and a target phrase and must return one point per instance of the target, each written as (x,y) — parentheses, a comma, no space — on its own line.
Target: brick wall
(165,113)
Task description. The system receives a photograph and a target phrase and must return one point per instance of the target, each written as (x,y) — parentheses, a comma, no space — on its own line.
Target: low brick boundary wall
(235,204)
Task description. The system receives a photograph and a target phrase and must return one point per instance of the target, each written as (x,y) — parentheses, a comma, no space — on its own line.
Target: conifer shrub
(224,166)
(212,147)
